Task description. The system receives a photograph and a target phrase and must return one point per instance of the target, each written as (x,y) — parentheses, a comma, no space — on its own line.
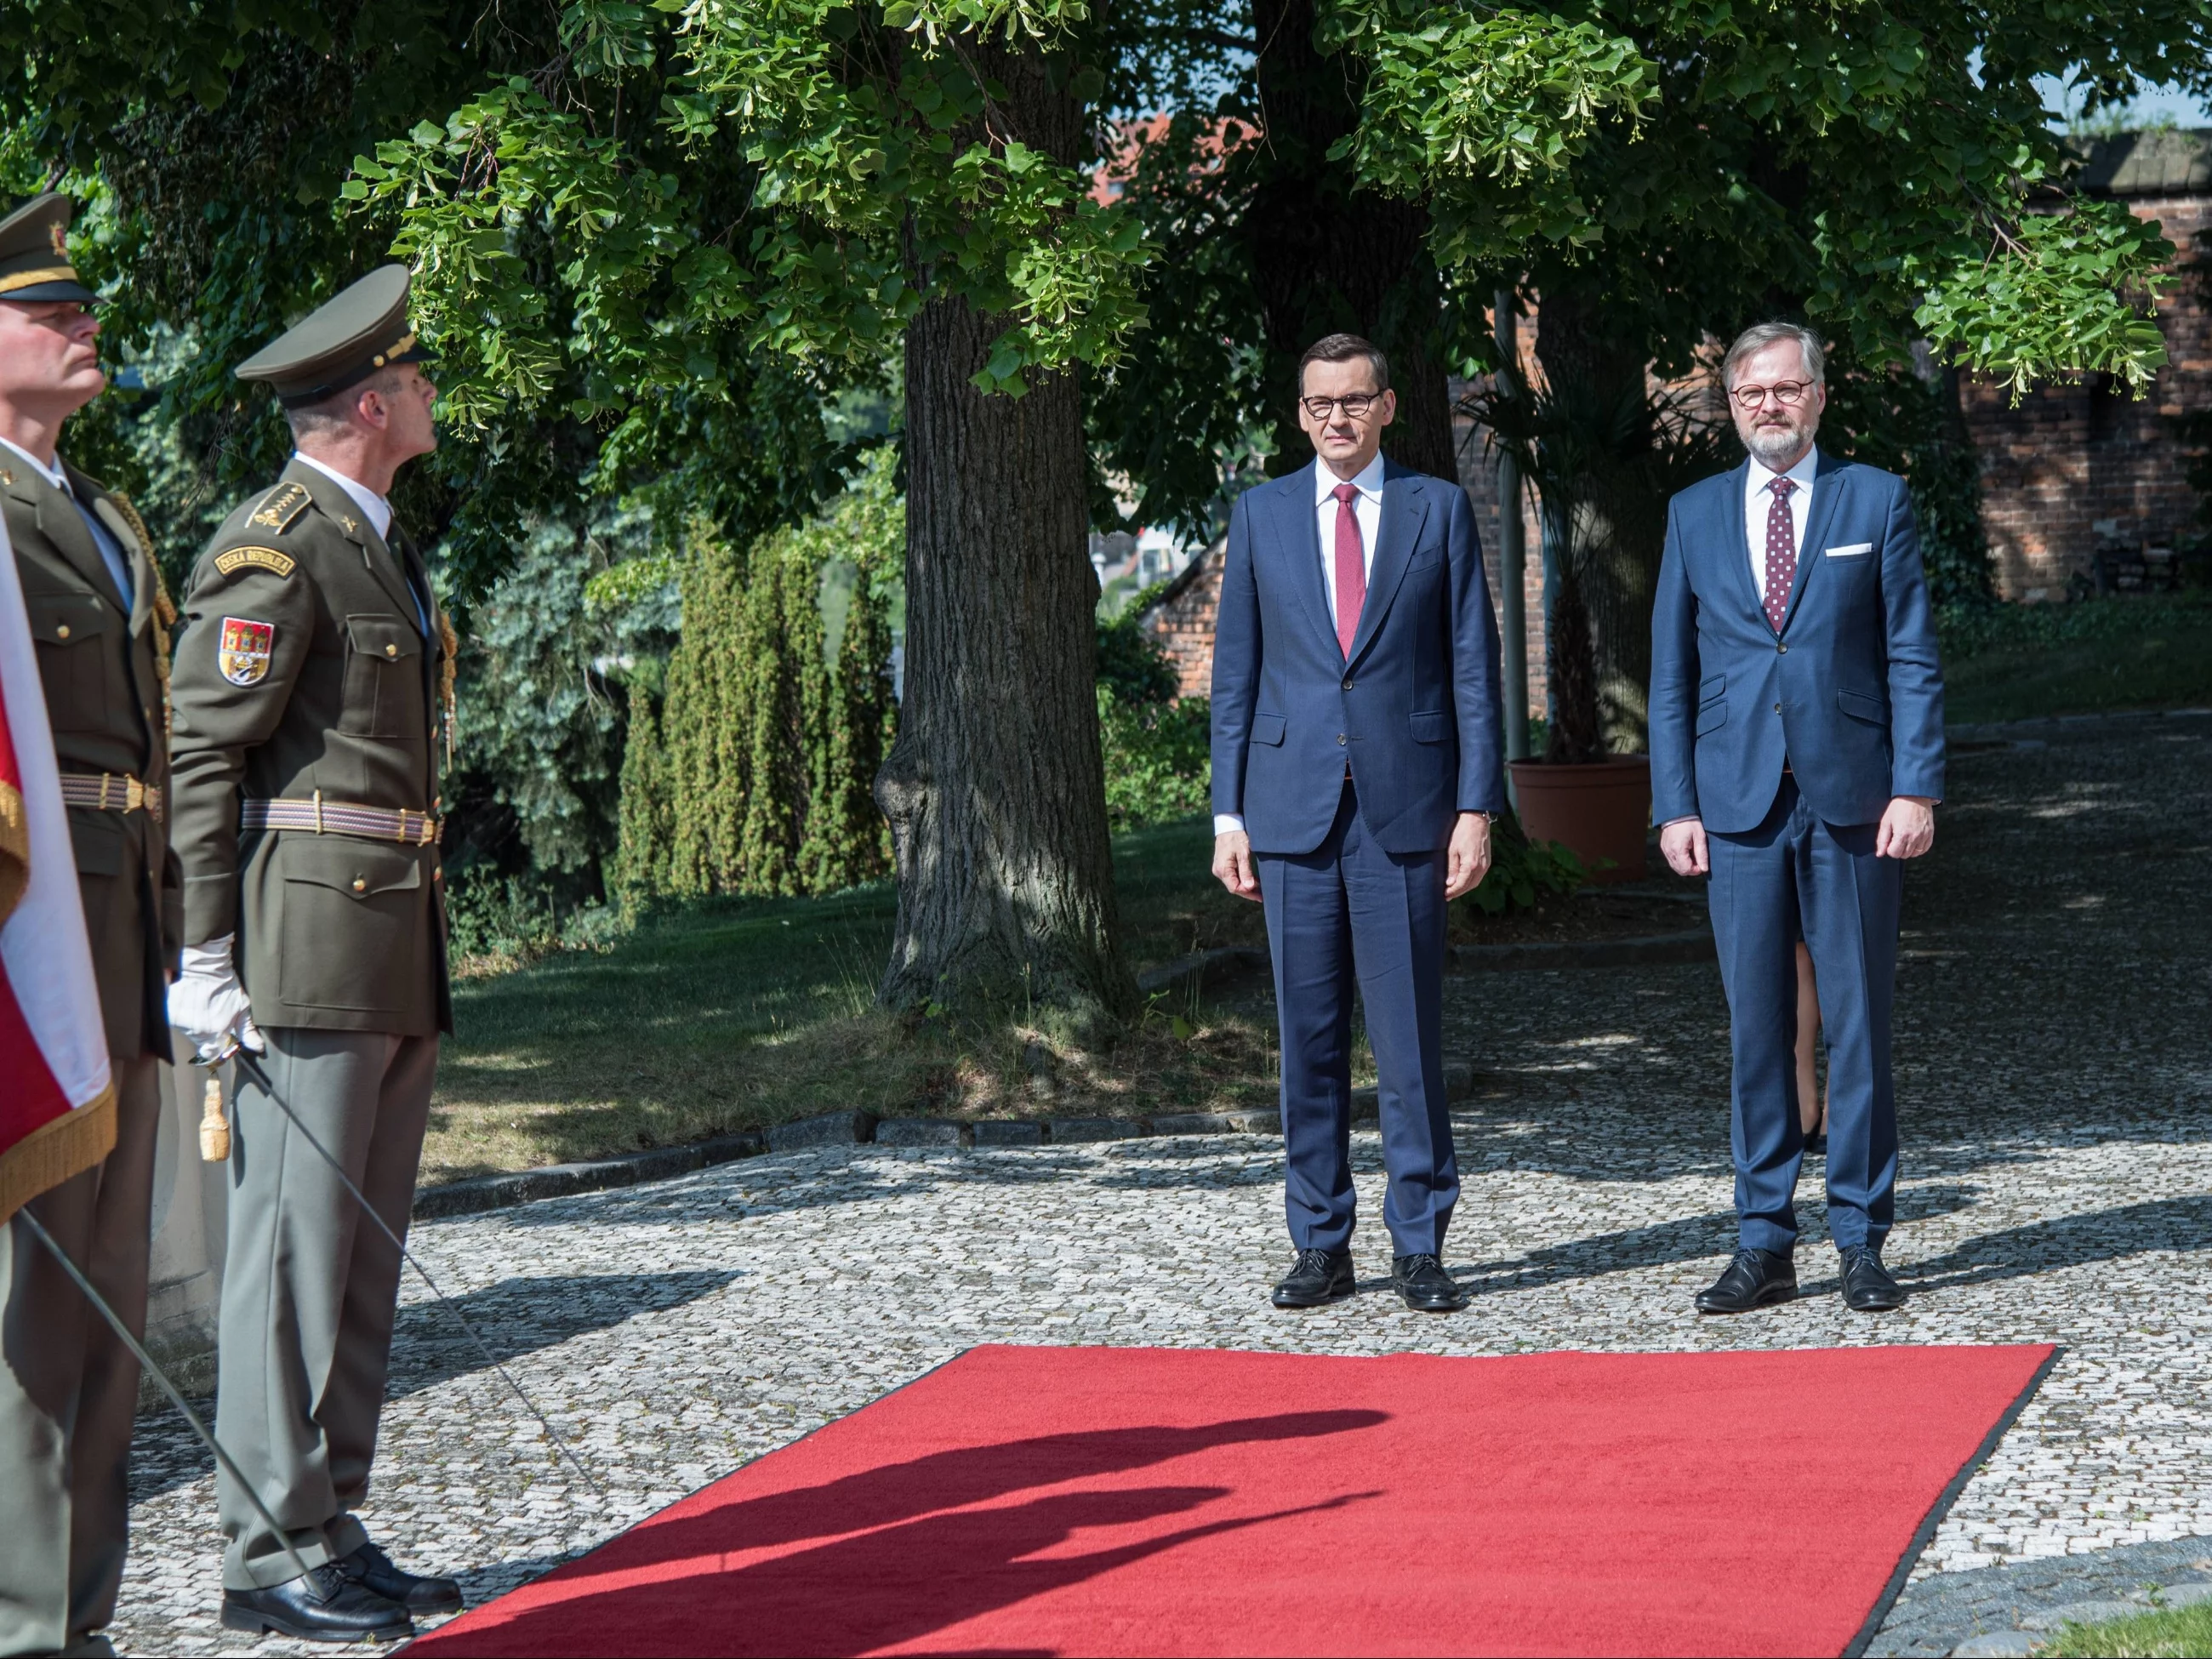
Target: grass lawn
(729,1014)
(2016,662)
(2178,1631)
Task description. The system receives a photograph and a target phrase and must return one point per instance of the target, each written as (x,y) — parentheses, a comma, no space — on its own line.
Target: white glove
(208,1005)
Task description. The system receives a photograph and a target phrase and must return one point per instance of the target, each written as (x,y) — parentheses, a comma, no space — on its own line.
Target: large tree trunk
(994,788)
(1326,257)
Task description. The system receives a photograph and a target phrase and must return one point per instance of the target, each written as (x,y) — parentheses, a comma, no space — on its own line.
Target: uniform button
(62,633)
(1340,739)
(1347,685)
(359,885)
(1782,647)
(390,650)
(1777,708)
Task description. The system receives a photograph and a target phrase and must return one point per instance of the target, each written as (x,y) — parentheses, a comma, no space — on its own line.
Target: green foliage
(1158,758)
(1521,870)
(2061,291)
(1896,420)
(541,736)
(1132,666)
(2153,1634)
(1158,748)
(753,774)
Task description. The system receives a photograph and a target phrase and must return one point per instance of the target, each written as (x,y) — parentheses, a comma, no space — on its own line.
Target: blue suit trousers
(1796,871)
(1348,911)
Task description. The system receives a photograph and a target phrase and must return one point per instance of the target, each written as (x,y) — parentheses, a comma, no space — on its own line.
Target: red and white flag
(56,1102)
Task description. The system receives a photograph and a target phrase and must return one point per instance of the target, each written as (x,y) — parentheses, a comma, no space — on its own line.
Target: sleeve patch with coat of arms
(245,650)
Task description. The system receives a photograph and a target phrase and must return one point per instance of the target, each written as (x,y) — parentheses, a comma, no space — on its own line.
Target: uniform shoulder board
(280,506)
(233,560)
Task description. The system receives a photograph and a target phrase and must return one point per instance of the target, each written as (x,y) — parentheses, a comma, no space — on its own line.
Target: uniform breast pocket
(351,912)
(72,662)
(383,679)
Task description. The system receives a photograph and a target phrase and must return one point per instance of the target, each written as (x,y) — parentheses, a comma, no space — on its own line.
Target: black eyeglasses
(1787,393)
(1356,404)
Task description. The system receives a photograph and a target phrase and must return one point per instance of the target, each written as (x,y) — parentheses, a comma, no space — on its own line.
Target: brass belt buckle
(134,794)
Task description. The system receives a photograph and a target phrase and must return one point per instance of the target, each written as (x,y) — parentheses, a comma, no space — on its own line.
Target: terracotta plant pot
(1602,810)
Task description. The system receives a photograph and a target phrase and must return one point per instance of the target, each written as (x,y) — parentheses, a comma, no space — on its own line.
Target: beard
(1770,445)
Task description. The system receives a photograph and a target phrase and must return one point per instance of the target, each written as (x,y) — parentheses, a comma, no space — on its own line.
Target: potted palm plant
(1603,459)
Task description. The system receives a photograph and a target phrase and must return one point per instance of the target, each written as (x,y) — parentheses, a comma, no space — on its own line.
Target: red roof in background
(1111,176)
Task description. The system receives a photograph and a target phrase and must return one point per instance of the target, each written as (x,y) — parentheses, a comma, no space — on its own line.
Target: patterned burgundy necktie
(1351,568)
(1781,553)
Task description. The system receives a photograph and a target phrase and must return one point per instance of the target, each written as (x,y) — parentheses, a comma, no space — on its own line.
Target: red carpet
(1161,1501)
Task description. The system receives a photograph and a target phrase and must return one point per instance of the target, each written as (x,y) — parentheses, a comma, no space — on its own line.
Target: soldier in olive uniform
(310,675)
(68,1388)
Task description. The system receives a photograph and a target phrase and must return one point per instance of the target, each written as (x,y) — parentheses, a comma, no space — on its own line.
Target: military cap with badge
(34,258)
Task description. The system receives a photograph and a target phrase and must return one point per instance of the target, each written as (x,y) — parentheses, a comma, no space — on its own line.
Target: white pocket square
(1850,551)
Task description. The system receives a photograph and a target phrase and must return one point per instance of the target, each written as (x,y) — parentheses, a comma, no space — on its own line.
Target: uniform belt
(112,792)
(339,817)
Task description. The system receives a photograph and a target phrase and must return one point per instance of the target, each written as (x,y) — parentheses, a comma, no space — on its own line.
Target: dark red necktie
(1351,568)
(1781,552)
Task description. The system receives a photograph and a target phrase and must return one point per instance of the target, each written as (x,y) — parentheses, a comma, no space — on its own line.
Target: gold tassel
(449,644)
(165,608)
(215,1128)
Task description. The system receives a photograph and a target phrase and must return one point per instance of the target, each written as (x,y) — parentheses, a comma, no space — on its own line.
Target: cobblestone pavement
(2054,1068)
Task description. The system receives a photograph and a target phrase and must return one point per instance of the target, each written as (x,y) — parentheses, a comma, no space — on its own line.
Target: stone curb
(1186,976)
(1969,730)
(1202,969)
(1694,945)
(499,1192)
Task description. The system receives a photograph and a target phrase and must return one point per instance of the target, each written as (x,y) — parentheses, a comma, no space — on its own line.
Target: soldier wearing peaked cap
(309,681)
(69,1389)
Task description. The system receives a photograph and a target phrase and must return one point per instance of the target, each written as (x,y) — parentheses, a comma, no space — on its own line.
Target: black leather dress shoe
(1868,1287)
(1754,1278)
(371,1566)
(326,1605)
(1425,1287)
(1315,1278)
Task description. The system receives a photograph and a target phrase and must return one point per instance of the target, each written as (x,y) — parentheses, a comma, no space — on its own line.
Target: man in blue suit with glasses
(1797,756)
(1357,763)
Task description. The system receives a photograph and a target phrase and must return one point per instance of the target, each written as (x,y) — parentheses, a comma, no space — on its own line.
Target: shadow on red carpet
(1213,1503)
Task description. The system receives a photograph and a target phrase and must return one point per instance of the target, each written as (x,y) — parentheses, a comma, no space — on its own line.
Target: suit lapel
(331,500)
(1738,544)
(1297,535)
(64,526)
(136,558)
(1820,513)
(1405,510)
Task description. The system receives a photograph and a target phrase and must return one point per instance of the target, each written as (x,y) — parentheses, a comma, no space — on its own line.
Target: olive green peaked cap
(341,344)
(35,262)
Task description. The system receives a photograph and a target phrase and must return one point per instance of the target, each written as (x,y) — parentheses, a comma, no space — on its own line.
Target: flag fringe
(55,1150)
(15,848)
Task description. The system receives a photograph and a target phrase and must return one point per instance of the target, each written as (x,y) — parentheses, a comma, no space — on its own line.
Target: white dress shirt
(1757,496)
(118,567)
(378,509)
(1367,509)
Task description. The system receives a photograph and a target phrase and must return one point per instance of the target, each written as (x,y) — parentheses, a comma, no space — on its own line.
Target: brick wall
(2081,464)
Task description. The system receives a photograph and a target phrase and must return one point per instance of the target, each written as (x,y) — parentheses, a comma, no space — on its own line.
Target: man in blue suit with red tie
(1356,765)
(1797,756)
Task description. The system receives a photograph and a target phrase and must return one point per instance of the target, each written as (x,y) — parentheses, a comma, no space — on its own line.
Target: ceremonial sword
(248,1062)
(176,1395)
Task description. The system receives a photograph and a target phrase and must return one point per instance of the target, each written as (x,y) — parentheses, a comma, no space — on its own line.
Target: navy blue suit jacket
(1413,709)
(1850,692)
